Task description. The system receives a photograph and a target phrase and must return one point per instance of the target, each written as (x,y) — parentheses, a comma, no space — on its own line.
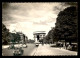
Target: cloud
(30,17)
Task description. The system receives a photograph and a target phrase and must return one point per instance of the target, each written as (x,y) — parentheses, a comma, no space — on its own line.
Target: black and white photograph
(39,28)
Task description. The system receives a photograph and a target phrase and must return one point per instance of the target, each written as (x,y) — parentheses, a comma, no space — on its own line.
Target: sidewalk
(47,50)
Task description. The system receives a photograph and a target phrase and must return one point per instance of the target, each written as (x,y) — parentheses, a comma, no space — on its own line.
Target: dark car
(37,44)
(73,47)
(18,51)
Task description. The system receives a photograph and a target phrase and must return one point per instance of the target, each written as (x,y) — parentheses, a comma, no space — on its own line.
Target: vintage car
(24,45)
(73,47)
(36,44)
(18,51)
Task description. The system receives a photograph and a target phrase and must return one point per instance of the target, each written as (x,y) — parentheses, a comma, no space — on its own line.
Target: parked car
(72,47)
(75,47)
(18,51)
(69,47)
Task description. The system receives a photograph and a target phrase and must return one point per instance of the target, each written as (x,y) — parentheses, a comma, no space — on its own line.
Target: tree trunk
(65,45)
(69,42)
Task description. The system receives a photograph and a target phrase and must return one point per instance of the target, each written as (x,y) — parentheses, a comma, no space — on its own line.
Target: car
(36,44)
(69,47)
(75,47)
(24,45)
(18,51)
(72,47)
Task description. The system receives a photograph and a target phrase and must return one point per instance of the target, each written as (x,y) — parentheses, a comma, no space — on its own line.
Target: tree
(67,25)
(15,37)
(51,36)
(18,37)
(5,34)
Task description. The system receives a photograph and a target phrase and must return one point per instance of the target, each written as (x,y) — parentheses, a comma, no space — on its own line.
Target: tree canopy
(67,24)
(5,34)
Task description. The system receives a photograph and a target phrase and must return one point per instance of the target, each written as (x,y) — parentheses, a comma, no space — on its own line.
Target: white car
(24,45)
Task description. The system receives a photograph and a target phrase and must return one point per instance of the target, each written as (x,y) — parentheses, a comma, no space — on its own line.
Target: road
(42,50)
(27,51)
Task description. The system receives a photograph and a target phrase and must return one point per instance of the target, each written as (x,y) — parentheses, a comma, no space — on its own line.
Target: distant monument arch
(39,35)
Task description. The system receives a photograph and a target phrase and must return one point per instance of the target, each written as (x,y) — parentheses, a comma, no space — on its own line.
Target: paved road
(27,51)
(51,51)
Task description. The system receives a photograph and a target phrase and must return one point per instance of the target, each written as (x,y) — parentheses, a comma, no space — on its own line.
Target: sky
(30,17)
